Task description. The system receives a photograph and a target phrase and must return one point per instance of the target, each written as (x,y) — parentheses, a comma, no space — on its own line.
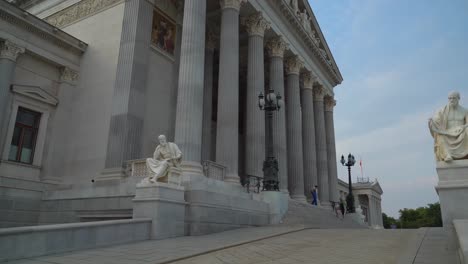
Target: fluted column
(255,119)
(227,133)
(189,115)
(321,146)
(207,97)
(128,101)
(9,52)
(308,133)
(294,129)
(276,48)
(331,149)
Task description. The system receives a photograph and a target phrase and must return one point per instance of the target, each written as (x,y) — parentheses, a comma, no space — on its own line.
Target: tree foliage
(428,216)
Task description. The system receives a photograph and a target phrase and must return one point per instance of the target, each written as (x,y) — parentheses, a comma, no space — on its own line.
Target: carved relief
(318,91)
(68,75)
(329,103)
(256,24)
(276,47)
(78,11)
(9,50)
(309,78)
(293,65)
(235,4)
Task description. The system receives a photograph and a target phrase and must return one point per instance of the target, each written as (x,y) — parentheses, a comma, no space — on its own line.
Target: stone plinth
(453,191)
(164,203)
(278,205)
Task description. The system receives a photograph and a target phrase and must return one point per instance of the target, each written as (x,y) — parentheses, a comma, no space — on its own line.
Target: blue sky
(399,60)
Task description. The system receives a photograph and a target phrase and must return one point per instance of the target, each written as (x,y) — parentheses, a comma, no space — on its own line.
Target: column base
(299,198)
(232,178)
(111,174)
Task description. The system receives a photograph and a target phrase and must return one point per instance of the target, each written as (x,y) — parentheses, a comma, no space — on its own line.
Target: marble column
(295,157)
(276,48)
(255,118)
(189,115)
(128,102)
(321,145)
(308,133)
(207,97)
(370,210)
(227,132)
(331,148)
(9,52)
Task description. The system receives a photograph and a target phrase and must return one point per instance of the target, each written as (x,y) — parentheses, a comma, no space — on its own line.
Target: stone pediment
(36,93)
(376,187)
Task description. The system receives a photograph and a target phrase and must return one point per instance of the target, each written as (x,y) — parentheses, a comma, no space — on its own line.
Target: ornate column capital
(319,92)
(293,65)
(329,103)
(255,24)
(68,75)
(9,50)
(309,79)
(211,41)
(234,4)
(276,47)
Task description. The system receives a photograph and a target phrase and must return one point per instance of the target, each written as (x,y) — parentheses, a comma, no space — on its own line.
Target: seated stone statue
(448,127)
(166,155)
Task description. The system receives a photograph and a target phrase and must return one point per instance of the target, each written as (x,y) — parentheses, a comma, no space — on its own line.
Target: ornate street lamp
(350,198)
(269,103)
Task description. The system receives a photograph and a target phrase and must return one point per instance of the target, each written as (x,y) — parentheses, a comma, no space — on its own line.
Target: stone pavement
(275,244)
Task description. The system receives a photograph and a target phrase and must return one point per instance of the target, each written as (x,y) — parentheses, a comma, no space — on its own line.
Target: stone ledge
(461,230)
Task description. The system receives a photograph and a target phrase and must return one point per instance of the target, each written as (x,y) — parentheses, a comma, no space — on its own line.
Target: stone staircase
(316,217)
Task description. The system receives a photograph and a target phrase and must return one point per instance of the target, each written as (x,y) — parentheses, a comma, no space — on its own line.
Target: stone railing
(214,170)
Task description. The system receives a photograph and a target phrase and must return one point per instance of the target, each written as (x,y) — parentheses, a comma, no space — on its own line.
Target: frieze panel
(78,11)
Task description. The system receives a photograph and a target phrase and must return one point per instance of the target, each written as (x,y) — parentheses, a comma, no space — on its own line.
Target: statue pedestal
(165,204)
(278,205)
(452,189)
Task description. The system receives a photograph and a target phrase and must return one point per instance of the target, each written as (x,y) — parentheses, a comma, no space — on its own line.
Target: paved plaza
(274,244)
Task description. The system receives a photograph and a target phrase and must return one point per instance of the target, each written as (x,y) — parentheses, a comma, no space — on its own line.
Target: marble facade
(114,91)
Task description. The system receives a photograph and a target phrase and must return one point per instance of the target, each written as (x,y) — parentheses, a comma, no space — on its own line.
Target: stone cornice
(276,47)
(234,4)
(38,27)
(309,78)
(293,65)
(9,50)
(329,103)
(255,24)
(311,41)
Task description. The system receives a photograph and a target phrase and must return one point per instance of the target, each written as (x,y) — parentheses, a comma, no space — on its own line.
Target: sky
(399,60)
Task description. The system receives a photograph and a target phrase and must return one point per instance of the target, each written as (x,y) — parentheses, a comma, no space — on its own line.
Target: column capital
(9,50)
(276,47)
(211,40)
(68,75)
(329,103)
(234,4)
(309,79)
(255,24)
(319,92)
(293,65)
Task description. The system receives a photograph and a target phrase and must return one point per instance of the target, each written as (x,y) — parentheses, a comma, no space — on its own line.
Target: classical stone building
(87,86)
(367,196)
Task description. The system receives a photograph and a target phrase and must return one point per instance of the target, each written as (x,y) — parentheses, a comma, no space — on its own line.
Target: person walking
(314,196)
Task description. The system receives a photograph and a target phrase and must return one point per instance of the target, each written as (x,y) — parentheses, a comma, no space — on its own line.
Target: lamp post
(350,198)
(269,103)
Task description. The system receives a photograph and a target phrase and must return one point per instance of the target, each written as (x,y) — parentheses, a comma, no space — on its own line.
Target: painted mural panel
(163,32)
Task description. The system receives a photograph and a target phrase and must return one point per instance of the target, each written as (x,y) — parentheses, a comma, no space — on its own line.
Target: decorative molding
(78,11)
(68,75)
(255,24)
(276,47)
(309,78)
(293,65)
(319,92)
(234,4)
(329,103)
(9,50)
(15,16)
(36,93)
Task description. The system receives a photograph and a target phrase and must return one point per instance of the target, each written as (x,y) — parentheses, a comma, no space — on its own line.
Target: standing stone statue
(448,127)
(166,155)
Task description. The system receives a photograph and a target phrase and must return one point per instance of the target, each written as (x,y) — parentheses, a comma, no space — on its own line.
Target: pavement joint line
(420,245)
(232,245)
